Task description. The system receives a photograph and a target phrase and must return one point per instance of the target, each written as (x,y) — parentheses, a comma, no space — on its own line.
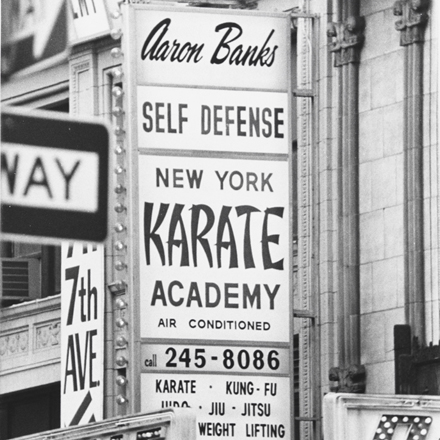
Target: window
(30,411)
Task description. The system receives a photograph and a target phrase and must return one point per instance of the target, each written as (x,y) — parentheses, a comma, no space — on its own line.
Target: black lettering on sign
(88,297)
(85,249)
(174,404)
(10,171)
(270,388)
(182,236)
(80,412)
(79,361)
(242,121)
(160,117)
(160,46)
(182,386)
(238,388)
(209,295)
(237,55)
(36,176)
(212,429)
(157,48)
(265,430)
(178,178)
(217,409)
(248,181)
(84,8)
(252,409)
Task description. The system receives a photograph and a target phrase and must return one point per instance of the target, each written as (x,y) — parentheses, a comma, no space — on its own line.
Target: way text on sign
(51,178)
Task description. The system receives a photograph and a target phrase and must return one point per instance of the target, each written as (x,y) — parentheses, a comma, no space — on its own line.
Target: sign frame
(379,416)
(40,128)
(129,47)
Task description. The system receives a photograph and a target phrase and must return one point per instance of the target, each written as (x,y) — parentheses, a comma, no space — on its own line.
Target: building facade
(364,192)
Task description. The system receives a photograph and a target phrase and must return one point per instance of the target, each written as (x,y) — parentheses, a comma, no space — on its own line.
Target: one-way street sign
(54,177)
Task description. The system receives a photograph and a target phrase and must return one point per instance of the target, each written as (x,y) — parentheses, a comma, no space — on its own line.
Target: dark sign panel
(34,35)
(54,177)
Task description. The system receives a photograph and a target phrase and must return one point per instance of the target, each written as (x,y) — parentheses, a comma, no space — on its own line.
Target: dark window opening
(30,411)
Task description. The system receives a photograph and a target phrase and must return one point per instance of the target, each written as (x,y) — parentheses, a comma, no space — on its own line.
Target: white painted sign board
(210,135)
(90,18)
(210,256)
(196,47)
(211,119)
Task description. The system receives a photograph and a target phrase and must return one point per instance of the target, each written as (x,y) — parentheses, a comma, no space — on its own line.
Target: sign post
(54,177)
(211,264)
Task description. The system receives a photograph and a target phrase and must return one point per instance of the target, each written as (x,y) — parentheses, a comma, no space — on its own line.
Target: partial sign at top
(91,19)
(34,35)
(197,48)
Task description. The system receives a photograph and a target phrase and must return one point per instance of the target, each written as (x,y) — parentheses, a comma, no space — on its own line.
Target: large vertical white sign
(82,333)
(210,134)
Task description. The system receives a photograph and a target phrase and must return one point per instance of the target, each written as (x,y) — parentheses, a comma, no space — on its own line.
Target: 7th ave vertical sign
(82,344)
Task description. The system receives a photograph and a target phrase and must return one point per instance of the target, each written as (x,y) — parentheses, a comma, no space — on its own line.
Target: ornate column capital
(350,380)
(414,18)
(347,40)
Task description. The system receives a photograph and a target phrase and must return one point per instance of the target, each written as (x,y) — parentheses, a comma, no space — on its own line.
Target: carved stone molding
(413,21)
(47,335)
(347,41)
(14,343)
(351,379)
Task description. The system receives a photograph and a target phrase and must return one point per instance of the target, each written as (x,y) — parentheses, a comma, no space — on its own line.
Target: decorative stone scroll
(347,40)
(14,343)
(351,379)
(47,335)
(413,21)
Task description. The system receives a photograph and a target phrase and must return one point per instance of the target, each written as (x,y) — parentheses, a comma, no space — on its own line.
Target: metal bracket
(303,93)
(307,419)
(303,314)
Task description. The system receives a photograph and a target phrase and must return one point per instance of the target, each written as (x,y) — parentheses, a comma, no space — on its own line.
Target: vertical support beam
(308,224)
(411,26)
(305,222)
(347,36)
